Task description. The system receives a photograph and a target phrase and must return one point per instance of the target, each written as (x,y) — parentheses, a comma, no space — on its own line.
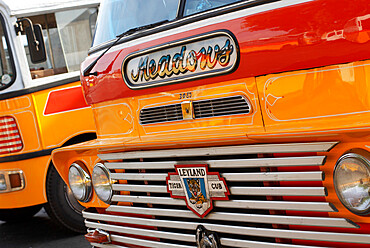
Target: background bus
(41,104)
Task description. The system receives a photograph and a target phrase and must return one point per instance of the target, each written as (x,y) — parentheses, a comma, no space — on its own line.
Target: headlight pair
(81,183)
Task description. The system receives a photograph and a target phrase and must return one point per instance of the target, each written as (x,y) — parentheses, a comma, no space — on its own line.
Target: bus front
(226,124)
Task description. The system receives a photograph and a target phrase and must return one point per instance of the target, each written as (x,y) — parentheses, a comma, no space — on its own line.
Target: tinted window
(196,6)
(118,16)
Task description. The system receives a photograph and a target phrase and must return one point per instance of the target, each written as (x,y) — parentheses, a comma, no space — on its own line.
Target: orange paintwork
(287,117)
(68,124)
(123,113)
(333,97)
(39,132)
(34,171)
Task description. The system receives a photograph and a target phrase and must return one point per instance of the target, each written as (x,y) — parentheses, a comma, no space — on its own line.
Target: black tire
(19,214)
(62,207)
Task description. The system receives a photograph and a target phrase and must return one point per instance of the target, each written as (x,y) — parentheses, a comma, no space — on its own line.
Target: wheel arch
(56,207)
(72,141)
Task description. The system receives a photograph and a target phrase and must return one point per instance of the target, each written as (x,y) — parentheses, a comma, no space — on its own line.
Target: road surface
(38,232)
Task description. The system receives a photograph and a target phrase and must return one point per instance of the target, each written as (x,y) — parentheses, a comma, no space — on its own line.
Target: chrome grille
(234,105)
(248,219)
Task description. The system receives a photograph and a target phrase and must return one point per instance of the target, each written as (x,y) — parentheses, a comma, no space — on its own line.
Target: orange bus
(41,104)
(226,124)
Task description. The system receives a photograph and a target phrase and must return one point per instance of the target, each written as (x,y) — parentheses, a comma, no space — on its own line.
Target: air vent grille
(234,105)
(161,114)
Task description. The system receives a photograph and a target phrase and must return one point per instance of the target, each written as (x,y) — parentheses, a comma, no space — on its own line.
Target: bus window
(123,15)
(7,70)
(68,36)
(195,6)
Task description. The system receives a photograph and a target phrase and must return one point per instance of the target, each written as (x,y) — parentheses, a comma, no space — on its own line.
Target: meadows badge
(197,186)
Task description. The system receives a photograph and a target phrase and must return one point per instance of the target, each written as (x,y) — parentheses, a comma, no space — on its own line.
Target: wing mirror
(35,39)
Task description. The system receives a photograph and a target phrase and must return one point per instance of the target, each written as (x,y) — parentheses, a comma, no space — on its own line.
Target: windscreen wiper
(88,69)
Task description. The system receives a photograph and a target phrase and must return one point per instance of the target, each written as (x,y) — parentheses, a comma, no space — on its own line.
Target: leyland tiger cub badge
(197,186)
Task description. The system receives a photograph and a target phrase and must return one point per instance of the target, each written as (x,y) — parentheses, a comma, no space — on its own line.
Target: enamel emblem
(197,186)
(178,61)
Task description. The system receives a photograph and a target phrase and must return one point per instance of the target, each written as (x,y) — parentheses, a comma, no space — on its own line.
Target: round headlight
(79,182)
(352,182)
(102,183)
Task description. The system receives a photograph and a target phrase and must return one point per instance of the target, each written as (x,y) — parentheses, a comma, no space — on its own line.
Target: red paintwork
(97,237)
(291,38)
(65,100)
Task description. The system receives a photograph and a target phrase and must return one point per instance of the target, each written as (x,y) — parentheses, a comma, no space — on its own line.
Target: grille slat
(251,244)
(141,232)
(219,151)
(273,191)
(243,204)
(235,163)
(147,243)
(107,246)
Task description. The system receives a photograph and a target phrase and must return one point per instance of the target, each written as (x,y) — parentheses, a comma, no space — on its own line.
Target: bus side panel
(22,110)
(34,171)
(63,114)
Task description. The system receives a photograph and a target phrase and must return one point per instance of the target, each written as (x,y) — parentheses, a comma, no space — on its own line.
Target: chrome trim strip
(237,163)
(139,176)
(107,246)
(232,177)
(253,231)
(279,191)
(273,191)
(269,205)
(251,218)
(255,244)
(140,188)
(274,176)
(278,205)
(147,243)
(227,150)
(141,231)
